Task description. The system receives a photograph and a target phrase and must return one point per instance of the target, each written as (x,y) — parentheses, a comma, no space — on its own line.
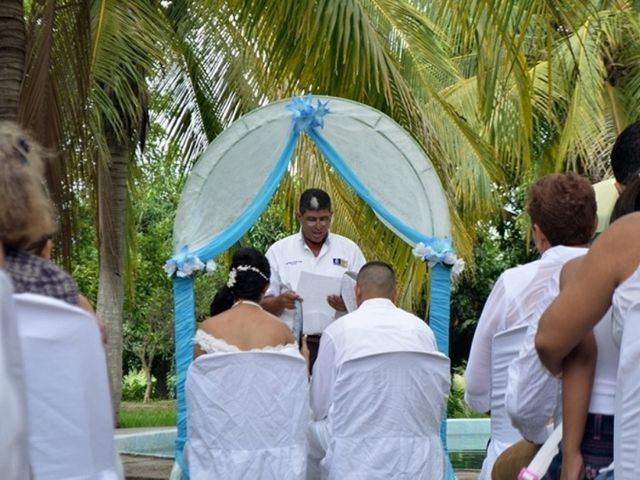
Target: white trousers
(318,440)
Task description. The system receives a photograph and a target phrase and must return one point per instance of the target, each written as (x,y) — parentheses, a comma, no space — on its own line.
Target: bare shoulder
(570,268)
(278,328)
(211,324)
(618,247)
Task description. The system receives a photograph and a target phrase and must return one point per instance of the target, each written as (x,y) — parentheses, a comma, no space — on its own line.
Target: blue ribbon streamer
(184,330)
(183,288)
(336,161)
(305,118)
(440,297)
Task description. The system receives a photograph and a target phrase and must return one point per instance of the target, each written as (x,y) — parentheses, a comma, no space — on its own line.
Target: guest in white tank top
(609,272)
(591,370)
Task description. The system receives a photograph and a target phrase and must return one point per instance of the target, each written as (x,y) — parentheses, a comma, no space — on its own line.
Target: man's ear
(540,239)
(619,186)
(395,296)
(47,249)
(358,294)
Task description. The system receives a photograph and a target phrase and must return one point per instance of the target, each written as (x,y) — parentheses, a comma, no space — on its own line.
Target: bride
(238,322)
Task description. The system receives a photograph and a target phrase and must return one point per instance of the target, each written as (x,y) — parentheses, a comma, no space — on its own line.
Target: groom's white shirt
(377,326)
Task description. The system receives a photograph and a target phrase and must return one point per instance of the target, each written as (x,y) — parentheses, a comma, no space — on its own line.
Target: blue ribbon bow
(304,115)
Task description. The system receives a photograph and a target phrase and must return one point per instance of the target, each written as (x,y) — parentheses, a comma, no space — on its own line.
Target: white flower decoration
(184,264)
(210,266)
(458,266)
(191,265)
(440,251)
(170,268)
(420,250)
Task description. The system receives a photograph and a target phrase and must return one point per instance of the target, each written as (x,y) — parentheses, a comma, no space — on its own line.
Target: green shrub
(171,386)
(134,385)
(456,406)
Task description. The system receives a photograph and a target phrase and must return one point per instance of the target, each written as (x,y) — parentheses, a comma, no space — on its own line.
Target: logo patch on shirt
(341,262)
(293,262)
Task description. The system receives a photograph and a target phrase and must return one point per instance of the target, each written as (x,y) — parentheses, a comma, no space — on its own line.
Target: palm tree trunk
(112,206)
(147,364)
(12,56)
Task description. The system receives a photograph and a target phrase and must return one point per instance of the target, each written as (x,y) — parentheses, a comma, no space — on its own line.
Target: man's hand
(336,302)
(275,304)
(288,299)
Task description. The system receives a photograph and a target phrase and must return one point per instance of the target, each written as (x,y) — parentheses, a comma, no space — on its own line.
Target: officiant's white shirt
(291,255)
(377,326)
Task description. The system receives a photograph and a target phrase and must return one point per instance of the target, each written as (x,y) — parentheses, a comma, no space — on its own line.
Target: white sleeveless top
(211,344)
(603,394)
(626,304)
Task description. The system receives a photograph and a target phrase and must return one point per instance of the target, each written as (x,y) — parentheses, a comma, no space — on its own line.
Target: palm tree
(87,70)
(12,48)
(497,92)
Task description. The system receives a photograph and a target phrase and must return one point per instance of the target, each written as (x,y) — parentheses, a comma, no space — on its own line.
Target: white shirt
(532,397)
(291,255)
(377,326)
(514,300)
(505,308)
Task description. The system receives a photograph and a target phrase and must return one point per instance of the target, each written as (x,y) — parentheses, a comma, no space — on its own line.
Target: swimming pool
(466,438)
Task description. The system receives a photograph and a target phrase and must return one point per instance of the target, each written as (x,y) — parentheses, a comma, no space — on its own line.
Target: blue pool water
(466,439)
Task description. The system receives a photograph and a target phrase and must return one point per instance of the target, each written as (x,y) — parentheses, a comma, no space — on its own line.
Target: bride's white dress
(211,344)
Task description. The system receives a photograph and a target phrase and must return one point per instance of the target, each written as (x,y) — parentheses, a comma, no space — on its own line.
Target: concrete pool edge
(146,442)
(462,434)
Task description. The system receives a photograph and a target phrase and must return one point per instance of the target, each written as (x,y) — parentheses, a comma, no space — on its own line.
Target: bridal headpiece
(231,281)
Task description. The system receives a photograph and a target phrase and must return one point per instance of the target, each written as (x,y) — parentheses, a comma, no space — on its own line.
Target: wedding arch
(235,178)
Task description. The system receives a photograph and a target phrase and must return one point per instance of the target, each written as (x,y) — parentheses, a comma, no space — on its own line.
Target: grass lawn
(161,413)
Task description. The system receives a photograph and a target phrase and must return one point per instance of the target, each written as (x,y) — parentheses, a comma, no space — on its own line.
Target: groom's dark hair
(314,199)
(377,278)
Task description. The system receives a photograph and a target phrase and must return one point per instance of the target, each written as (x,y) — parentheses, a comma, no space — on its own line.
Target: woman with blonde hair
(26,217)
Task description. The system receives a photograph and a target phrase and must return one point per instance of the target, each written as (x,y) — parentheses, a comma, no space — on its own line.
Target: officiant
(315,251)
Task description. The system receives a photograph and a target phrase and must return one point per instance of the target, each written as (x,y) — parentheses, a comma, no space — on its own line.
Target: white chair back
(505,348)
(385,418)
(14,447)
(626,437)
(247,415)
(68,399)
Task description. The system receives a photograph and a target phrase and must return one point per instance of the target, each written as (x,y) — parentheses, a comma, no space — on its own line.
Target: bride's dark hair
(248,284)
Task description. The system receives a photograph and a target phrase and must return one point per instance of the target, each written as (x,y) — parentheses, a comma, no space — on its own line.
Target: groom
(316,250)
